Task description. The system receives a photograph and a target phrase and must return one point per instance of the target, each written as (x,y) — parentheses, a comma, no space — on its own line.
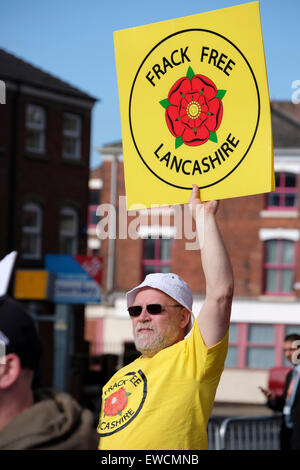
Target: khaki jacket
(56,421)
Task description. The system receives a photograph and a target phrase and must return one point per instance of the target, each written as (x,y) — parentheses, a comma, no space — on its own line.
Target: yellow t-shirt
(163,402)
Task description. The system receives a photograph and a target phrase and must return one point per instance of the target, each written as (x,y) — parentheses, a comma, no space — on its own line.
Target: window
(71,136)
(279,267)
(93,218)
(35,129)
(156,255)
(260,346)
(257,346)
(95,196)
(31,231)
(285,196)
(68,231)
(232,355)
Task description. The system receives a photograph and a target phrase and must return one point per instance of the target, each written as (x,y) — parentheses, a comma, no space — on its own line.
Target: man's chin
(146,348)
(149,348)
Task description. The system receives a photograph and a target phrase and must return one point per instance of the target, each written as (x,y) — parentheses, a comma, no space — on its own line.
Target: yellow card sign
(195,107)
(37,285)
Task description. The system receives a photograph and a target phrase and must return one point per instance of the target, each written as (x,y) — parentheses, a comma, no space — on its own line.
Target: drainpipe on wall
(111,241)
(11,229)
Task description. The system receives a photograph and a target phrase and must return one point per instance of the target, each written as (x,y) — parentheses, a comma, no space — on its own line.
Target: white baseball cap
(169,283)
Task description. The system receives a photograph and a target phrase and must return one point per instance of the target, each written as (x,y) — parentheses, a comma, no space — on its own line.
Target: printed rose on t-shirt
(116,402)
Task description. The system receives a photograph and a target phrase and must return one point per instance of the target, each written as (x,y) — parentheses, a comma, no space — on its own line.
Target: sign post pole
(62,346)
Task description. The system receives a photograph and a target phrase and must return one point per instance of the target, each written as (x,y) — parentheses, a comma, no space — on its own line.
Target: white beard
(150,343)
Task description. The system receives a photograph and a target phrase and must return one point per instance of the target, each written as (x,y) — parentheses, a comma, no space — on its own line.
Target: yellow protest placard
(195,107)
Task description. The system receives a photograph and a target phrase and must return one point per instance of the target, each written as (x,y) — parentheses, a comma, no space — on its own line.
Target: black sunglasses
(153,309)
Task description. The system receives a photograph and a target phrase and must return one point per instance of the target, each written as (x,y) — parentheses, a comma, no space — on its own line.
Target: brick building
(44,170)
(262,235)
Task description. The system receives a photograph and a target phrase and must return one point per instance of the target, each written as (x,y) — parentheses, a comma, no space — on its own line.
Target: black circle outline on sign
(137,411)
(130,99)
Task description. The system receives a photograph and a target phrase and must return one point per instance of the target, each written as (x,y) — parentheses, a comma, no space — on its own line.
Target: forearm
(215,261)
(215,313)
(214,317)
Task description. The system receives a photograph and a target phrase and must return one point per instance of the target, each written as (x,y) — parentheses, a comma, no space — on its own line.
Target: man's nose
(145,315)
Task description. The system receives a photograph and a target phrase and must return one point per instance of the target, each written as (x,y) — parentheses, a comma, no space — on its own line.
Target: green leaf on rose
(178,142)
(165,103)
(213,137)
(220,94)
(190,73)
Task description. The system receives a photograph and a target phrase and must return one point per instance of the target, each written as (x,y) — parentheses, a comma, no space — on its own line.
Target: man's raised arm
(214,316)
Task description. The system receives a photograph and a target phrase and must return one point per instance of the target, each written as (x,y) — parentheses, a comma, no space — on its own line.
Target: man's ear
(184,317)
(10,371)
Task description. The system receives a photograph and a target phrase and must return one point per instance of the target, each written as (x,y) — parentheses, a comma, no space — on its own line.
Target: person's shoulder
(196,337)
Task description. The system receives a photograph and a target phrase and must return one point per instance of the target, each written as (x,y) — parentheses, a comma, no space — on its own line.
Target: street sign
(78,278)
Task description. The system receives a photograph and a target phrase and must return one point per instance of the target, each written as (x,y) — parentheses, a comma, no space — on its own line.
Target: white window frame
(38,127)
(156,231)
(36,231)
(73,135)
(279,233)
(70,233)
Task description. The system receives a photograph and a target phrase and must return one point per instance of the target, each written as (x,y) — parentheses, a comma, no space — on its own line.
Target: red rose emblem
(116,402)
(194,109)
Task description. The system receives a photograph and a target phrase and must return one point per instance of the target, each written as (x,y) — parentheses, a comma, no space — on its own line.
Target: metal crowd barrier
(245,433)
(213,433)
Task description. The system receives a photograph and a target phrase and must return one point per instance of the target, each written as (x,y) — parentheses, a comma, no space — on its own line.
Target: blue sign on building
(78,278)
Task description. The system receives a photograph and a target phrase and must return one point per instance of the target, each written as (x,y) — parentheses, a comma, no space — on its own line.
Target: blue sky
(73,39)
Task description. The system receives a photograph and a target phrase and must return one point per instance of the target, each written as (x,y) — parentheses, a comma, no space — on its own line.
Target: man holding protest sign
(163,399)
